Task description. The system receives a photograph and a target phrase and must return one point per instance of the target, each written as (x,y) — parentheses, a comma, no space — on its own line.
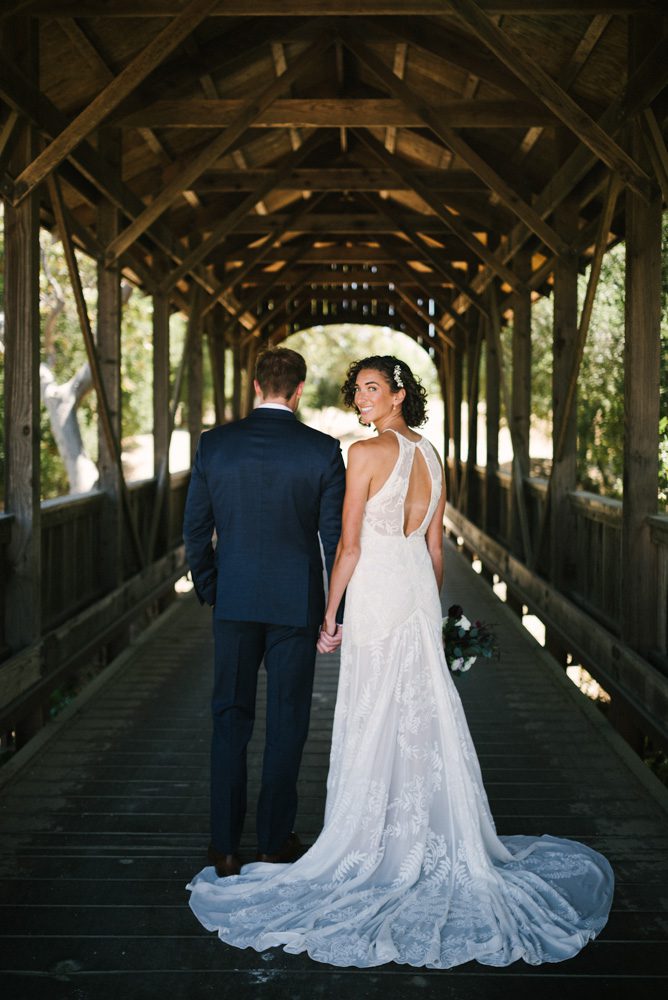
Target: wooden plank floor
(104,823)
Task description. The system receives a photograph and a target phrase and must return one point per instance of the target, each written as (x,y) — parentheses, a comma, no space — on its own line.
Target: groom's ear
(257,387)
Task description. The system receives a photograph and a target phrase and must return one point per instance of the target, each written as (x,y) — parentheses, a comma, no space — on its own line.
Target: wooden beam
(22,346)
(434,258)
(520,416)
(399,70)
(291,293)
(108,342)
(520,501)
(553,96)
(326,224)
(563,474)
(430,117)
(159,531)
(338,112)
(215,149)
(327,8)
(104,412)
(656,149)
(257,255)
(567,412)
(642,346)
(229,223)
(568,75)
(360,254)
(19,92)
(261,292)
(645,82)
(339,179)
(101,106)
(448,218)
(195,387)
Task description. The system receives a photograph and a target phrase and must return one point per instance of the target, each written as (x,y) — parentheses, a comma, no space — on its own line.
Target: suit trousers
(289,658)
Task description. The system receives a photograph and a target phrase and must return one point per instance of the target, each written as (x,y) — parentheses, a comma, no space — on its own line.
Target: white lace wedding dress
(408,867)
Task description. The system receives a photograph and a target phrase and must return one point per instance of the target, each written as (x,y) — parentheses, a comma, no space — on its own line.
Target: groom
(268,485)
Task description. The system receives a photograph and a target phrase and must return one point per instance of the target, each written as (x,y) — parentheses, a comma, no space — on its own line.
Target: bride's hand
(330,636)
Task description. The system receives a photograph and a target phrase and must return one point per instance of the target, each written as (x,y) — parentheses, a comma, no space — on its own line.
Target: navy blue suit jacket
(267,484)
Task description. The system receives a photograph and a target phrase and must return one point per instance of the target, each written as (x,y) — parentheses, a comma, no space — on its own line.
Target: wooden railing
(5,536)
(597,583)
(71,532)
(81,611)
(584,616)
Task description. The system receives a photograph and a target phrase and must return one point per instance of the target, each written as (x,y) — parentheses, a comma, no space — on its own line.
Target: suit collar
(263,413)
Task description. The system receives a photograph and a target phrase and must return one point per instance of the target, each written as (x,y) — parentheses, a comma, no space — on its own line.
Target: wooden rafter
(442,212)
(85,46)
(553,96)
(270,314)
(258,254)
(569,74)
(231,220)
(656,148)
(339,179)
(115,91)
(214,150)
(339,112)
(272,280)
(440,127)
(347,8)
(113,443)
(424,250)
(605,222)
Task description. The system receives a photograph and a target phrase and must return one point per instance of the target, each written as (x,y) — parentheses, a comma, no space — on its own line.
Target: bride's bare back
(383,455)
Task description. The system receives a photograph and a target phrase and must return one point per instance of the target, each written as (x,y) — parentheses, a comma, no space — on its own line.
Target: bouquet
(464,642)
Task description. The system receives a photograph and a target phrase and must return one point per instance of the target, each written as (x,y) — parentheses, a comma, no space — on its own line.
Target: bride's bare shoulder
(374,450)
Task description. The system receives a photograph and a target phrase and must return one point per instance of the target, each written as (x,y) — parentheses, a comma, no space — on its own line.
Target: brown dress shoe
(225,864)
(291,850)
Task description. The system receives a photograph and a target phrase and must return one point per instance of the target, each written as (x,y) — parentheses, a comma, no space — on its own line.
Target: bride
(408,867)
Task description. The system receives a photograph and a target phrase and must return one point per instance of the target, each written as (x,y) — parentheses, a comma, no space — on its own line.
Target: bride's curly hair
(414,406)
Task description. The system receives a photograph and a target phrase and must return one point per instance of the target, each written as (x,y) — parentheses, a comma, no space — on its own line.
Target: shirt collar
(274,406)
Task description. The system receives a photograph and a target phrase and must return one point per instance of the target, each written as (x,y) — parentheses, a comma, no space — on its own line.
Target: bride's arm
(358,478)
(435,536)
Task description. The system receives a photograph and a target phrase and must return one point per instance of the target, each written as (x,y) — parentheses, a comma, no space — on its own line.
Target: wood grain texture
(119,801)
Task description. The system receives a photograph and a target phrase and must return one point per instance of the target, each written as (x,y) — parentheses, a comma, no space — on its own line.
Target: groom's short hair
(279,371)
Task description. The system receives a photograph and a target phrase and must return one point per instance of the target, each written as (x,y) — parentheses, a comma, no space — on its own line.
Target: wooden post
(446,388)
(457,389)
(217,358)
(109,350)
(493,400)
(195,385)
(236,375)
(521,392)
(641,396)
(251,357)
(161,415)
(564,341)
(473,384)
(22,400)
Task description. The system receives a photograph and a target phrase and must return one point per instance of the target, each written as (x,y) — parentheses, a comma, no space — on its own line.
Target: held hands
(330,637)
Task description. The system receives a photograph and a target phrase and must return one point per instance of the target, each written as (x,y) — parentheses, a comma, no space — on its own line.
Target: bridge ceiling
(407,151)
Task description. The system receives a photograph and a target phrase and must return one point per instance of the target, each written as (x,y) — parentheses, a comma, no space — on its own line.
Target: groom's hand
(329,643)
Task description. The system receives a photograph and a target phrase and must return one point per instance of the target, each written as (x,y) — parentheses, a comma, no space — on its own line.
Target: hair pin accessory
(397,376)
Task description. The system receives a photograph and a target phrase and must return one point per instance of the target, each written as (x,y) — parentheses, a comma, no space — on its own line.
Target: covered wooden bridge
(265,167)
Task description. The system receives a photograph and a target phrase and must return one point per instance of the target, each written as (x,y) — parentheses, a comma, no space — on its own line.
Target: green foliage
(329,350)
(600,399)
